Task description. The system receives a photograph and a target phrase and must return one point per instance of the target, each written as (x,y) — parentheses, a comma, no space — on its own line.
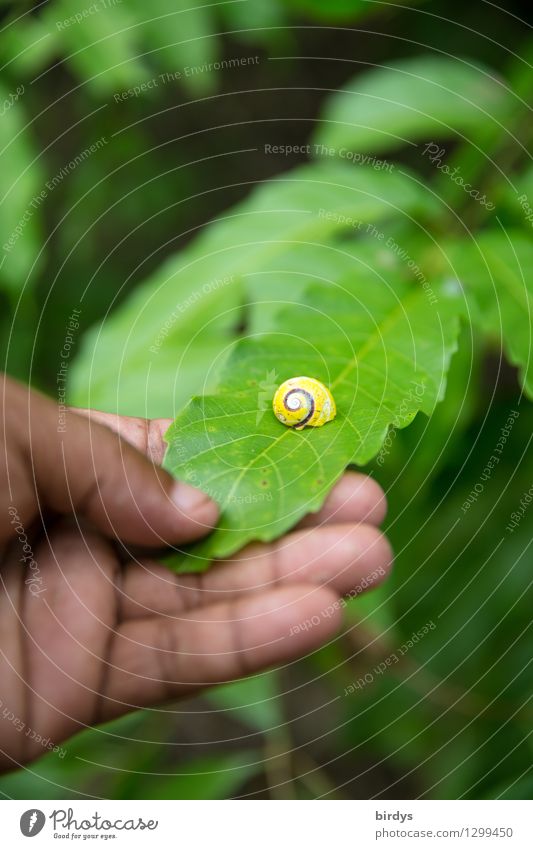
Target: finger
(69,617)
(355,498)
(147,435)
(346,558)
(155,659)
(71,464)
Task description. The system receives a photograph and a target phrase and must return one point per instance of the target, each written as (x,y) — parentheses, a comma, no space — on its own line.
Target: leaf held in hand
(383,350)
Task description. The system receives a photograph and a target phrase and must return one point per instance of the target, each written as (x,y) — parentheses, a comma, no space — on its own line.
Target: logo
(32,822)
(267,387)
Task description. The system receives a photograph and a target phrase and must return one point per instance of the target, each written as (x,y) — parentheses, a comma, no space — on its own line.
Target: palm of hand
(89,637)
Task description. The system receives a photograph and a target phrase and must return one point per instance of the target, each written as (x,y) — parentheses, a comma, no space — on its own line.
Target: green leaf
(496,274)
(47,779)
(153,352)
(373,253)
(334,10)
(518,787)
(22,192)
(197,294)
(99,43)
(205,778)
(516,200)
(427,97)
(254,701)
(257,22)
(29,43)
(183,40)
(309,203)
(159,387)
(381,347)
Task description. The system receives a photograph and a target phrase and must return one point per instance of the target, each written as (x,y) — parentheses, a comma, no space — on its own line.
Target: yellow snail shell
(303,401)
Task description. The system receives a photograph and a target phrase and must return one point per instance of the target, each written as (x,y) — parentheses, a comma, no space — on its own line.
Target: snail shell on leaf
(303,401)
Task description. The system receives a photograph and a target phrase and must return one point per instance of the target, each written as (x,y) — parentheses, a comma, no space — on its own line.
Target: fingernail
(193,502)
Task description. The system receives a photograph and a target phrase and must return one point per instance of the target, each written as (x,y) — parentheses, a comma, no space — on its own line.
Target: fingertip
(194,508)
(356,497)
(372,547)
(363,495)
(375,500)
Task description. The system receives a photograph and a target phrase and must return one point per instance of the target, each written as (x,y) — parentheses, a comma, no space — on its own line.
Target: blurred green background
(453,718)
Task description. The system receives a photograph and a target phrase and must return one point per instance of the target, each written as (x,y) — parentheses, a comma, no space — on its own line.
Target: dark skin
(87,633)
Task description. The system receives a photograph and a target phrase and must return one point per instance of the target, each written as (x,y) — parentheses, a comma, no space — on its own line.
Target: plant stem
(278,764)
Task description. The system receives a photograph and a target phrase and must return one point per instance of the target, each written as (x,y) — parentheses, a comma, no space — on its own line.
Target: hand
(86,634)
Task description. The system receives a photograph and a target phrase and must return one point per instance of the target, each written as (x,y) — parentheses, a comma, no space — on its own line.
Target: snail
(303,401)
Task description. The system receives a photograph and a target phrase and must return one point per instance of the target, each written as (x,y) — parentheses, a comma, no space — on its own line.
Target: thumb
(70,464)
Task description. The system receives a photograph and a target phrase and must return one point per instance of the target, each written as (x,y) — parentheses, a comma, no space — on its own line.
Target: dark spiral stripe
(311,403)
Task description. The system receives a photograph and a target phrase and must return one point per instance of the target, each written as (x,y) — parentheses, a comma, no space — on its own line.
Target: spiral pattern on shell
(302,401)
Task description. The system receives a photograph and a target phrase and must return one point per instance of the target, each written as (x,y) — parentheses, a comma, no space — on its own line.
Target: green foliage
(253,701)
(198,295)
(426,97)
(343,11)
(381,347)
(115,45)
(20,187)
(350,246)
(118,45)
(256,22)
(496,273)
(181,37)
(206,778)
(337,10)
(102,47)
(88,763)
